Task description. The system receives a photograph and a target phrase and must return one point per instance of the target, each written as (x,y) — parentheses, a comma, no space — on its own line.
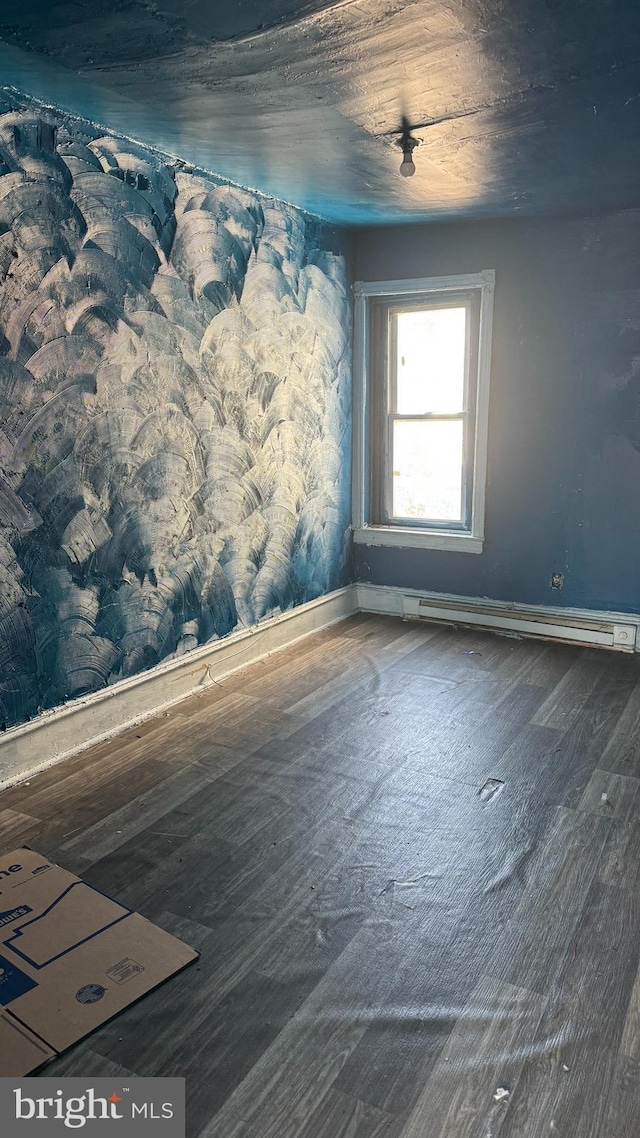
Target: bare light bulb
(408,167)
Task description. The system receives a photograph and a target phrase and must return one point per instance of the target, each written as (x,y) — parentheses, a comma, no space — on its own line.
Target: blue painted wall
(174,410)
(564,438)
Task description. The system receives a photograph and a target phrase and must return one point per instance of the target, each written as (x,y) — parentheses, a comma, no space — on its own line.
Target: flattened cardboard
(20,1050)
(71,958)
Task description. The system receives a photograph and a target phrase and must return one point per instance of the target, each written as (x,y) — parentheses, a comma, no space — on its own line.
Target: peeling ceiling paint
(522,106)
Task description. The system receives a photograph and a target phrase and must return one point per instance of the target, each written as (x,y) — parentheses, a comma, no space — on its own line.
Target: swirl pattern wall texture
(174,410)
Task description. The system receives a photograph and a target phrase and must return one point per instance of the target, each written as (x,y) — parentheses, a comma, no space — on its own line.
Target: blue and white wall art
(174,410)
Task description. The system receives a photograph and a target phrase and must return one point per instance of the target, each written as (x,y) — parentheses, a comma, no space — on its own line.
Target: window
(422,389)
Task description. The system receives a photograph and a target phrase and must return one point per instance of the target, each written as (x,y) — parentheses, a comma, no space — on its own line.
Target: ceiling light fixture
(408,144)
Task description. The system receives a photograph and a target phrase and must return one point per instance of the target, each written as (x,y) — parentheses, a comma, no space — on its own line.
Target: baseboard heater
(548,626)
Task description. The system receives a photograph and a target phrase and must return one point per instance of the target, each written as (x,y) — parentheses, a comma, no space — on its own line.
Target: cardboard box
(71,958)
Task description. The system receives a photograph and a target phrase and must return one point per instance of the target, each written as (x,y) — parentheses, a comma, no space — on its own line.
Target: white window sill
(406,538)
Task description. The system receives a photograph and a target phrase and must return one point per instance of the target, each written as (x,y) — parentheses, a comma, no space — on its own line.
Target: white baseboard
(56,735)
(591,628)
(83,722)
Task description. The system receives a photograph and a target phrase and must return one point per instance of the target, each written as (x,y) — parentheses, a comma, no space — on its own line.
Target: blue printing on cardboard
(13,941)
(13,982)
(11,915)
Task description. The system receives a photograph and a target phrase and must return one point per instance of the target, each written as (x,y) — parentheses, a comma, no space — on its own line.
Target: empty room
(320,568)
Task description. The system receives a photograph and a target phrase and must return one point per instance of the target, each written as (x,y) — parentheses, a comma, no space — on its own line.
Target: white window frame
(470,540)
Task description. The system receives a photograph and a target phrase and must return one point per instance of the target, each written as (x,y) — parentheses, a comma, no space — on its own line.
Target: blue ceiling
(522,106)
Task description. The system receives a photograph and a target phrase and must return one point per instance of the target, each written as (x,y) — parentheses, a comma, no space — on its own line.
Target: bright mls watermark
(133,1108)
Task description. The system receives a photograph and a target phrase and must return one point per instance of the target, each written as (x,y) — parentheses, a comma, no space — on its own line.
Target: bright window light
(430,360)
(427,404)
(427,470)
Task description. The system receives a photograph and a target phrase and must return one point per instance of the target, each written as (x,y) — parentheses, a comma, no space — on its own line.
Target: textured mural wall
(174,409)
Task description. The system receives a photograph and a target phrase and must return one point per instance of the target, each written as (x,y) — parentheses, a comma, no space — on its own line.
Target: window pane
(430,361)
(427,470)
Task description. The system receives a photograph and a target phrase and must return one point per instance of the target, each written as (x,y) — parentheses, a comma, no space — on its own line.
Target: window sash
(383,333)
(391,518)
(396,310)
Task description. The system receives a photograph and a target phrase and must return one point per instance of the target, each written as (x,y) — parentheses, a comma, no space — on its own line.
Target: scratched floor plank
(409,856)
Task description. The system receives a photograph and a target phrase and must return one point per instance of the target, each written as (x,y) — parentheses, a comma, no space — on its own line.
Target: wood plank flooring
(410,858)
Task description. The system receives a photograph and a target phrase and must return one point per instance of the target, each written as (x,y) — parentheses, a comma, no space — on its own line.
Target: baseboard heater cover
(595,633)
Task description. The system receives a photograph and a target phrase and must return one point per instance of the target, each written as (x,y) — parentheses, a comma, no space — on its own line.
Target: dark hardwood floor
(410,858)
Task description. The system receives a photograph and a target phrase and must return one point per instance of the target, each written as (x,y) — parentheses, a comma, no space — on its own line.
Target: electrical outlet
(557,580)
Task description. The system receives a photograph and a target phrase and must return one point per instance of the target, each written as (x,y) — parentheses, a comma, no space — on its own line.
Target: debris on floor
(501,1094)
